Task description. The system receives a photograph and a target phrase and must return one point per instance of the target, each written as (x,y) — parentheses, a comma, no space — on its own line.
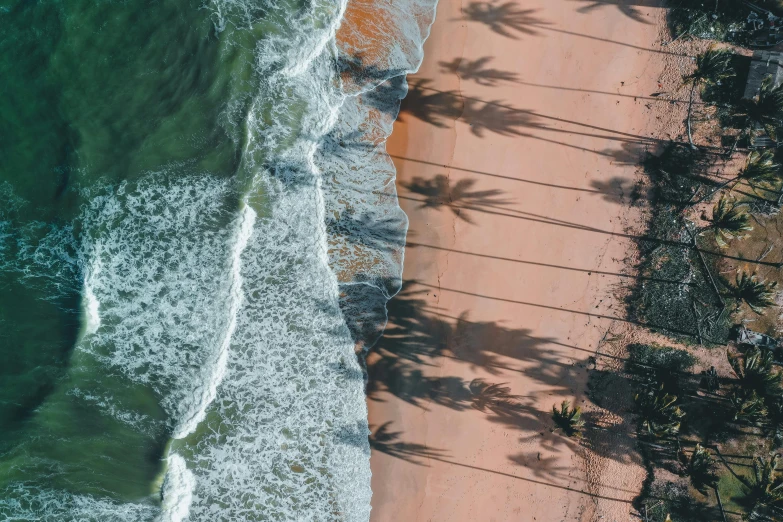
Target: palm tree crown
(765,111)
(756,293)
(701,468)
(766,487)
(760,167)
(729,220)
(755,371)
(568,419)
(659,416)
(712,66)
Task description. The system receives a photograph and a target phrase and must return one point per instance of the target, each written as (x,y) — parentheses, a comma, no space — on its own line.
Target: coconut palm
(756,293)
(568,419)
(729,220)
(760,167)
(701,469)
(773,428)
(747,405)
(755,371)
(764,111)
(765,489)
(659,415)
(712,66)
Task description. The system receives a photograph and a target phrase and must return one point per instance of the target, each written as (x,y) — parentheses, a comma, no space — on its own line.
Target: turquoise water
(189,257)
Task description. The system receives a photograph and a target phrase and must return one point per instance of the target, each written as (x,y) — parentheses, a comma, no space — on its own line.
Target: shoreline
(487,334)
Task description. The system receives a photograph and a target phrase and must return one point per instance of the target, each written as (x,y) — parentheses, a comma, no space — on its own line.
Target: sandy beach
(515,153)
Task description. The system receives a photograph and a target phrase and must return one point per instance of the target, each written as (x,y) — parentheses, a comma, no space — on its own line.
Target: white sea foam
(215,367)
(177,491)
(92,317)
(234,317)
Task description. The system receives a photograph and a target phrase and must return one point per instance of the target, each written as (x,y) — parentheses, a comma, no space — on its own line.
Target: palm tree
(712,66)
(729,220)
(765,489)
(754,292)
(568,419)
(755,371)
(701,469)
(659,416)
(774,426)
(747,405)
(760,167)
(764,111)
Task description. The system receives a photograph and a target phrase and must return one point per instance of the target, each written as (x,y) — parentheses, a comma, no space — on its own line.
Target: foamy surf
(237,302)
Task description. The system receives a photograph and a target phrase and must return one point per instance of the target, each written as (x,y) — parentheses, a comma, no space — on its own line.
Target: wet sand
(515,153)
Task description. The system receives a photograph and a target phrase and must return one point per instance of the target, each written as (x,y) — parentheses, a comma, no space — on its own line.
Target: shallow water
(198,226)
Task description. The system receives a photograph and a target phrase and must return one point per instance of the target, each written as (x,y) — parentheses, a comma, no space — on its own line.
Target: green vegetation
(729,221)
(752,291)
(567,419)
(712,67)
(765,489)
(701,469)
(659,414)
(765,111)
(755,372)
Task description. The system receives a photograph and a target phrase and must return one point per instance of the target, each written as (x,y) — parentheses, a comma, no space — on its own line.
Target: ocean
(199,232)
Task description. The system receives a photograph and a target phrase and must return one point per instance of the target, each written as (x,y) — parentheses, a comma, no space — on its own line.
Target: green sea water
(93,94)
(190,200)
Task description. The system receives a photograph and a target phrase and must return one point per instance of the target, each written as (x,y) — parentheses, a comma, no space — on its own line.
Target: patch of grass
(673,498)
(732,491)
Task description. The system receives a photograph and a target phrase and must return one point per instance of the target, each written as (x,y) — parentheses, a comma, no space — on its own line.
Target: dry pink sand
(515,198)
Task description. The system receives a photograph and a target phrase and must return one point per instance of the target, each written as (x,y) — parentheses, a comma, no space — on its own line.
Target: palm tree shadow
(433,107)
(618,190)
(494,116)
(542,468)
(386,441)
(625,7)
(630,152)
(504,19)
(439,192)
(477,71)
(439,108)
(385,234)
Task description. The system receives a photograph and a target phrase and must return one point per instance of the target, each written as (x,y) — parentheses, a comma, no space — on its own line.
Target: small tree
(701,469)
(712,66)
(760,167)
(765,490)
(568,419)
(774,426)
(729,220)
(747,405)
(756,293)
(755,371)
(659,415)
(764,111)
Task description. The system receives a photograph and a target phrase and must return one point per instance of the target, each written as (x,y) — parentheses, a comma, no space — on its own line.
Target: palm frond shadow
(384,440)
(439,192)
(375,232)
(505,19)
(402,363)
(478,71)
(628,8)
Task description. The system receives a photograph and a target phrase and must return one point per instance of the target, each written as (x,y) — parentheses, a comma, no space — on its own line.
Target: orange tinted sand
(516,188)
